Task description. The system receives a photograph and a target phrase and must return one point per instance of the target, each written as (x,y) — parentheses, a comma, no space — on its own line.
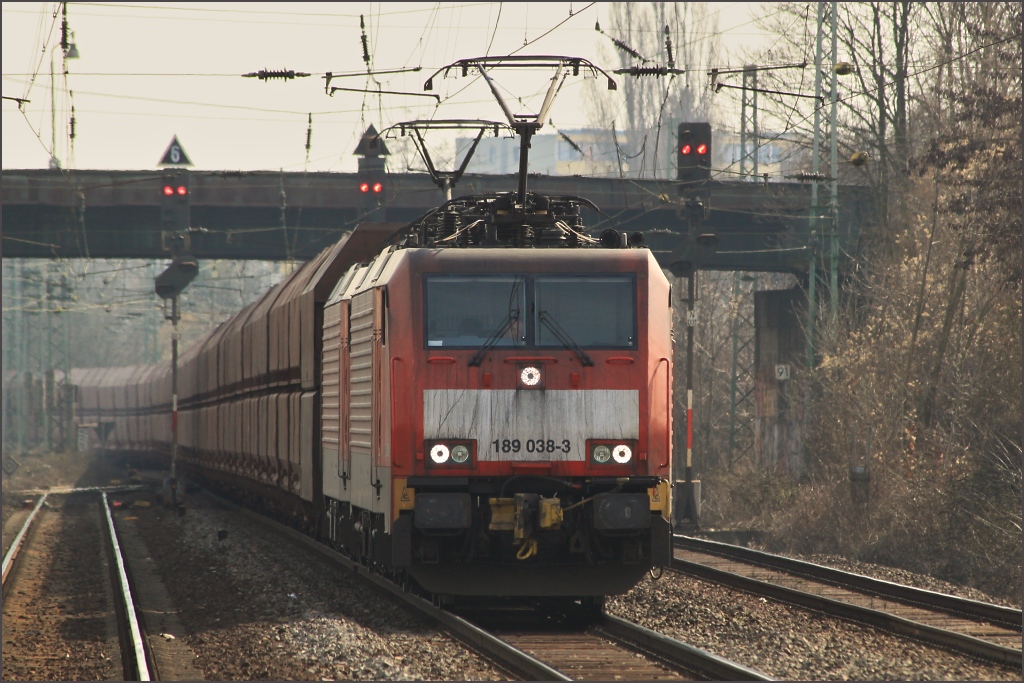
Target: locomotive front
(497,402)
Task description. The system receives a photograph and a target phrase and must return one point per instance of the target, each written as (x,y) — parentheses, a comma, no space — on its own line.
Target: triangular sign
(175,155)
(371,144)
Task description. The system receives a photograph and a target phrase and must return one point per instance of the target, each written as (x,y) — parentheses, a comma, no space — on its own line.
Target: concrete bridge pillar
(779,349)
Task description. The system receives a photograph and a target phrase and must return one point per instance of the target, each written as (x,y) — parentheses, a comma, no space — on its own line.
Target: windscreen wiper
(564,337)
(510,319)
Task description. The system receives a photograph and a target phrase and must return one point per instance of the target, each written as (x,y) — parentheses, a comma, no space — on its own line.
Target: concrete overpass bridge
(274,216)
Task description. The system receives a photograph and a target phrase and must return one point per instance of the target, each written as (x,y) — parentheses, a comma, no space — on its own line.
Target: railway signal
(694,151)
(175,202)
(371,151)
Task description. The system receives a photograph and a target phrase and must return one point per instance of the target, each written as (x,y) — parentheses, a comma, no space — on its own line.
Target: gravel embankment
(258,607)
(787,642)
(906,578)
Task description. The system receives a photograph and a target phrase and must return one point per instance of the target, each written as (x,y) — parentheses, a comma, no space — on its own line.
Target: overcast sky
(148,72)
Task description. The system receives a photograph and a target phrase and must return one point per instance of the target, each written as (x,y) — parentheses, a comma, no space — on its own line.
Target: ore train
(478,401)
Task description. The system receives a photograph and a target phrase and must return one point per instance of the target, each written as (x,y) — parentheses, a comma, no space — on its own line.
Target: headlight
(439,453)
(530,376)
(622,454)
(602,453)
(460,454)
(450,453)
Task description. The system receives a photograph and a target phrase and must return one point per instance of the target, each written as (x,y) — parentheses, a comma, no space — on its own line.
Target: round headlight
(530,376)
(602,454)
(439,453)
(460,454)
(622,454)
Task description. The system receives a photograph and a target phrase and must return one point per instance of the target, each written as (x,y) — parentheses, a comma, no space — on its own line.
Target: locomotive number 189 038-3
(531,445)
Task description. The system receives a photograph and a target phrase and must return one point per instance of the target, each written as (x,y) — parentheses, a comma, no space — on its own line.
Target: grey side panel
(361,390)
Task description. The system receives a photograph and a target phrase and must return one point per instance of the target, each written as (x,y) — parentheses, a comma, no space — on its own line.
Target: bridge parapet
(273,215)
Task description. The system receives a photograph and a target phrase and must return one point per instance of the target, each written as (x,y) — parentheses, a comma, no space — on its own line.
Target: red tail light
(168,190)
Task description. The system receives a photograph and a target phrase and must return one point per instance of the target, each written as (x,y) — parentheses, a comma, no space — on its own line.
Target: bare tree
(647,110)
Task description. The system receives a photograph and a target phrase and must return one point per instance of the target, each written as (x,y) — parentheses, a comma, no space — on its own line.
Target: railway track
(606,648)
(979,629)
(548,646)
(66,580)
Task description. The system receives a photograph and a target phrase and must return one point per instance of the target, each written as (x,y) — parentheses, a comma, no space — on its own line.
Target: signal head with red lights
(694,158)
(175,199)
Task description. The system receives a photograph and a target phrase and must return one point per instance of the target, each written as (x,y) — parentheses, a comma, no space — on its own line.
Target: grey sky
(126,121)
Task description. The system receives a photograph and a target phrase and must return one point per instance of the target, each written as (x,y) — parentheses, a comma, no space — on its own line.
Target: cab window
(465,311)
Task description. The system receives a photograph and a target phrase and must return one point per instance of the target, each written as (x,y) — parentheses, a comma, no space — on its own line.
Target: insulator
(449,223)
(639,71)
(525,237)
(366,49)
(267,74)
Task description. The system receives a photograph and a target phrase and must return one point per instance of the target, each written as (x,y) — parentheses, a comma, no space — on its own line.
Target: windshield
(465,311)
(594,312)
(588,312)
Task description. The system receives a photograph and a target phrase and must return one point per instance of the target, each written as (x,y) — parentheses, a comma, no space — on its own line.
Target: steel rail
(676,653)
(884,620)
(12,552)
(633,636)
(1007,617)
(138,647)
(505,655)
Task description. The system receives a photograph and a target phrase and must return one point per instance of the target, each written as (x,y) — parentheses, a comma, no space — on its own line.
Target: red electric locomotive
(502,419)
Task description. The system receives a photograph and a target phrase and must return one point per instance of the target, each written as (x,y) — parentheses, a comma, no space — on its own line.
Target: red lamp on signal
(686,149)
(378,188)
(364,187)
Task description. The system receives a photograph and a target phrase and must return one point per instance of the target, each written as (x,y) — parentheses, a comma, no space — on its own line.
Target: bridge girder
(275,216)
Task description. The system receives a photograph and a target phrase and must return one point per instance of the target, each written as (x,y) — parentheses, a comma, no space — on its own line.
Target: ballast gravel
(255,607)
(787,642)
